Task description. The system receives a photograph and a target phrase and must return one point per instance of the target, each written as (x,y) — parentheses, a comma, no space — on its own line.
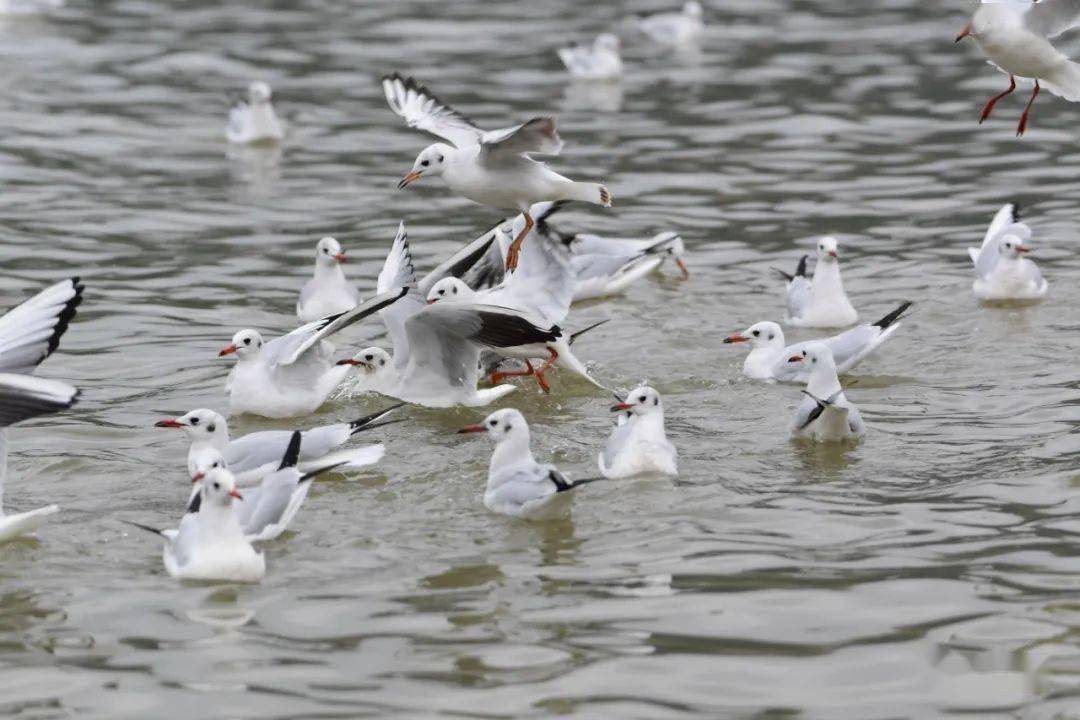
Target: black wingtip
(581,332)
(195,504)
(562,484)
(67,314)
(292,452)
(147,528)
(319,471)
(800,270)
(786,276)
(1015,211)
(894,315)
(366,422)
(541,220)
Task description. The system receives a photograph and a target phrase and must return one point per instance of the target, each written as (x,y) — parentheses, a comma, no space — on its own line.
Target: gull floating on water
(1002,272)
(490,168)
(293,374)
(599,61)
(518,485)
(820,302)
(328,292)
(252,118)
(638,443)
(1014,36)
(768,358)
(675,29)
(825,414)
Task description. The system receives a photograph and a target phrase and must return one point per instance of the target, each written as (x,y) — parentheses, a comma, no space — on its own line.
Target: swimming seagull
(638,444)
(675,28)
(768,358)
(328,292)
(825,414)
(1002,272)
(252,118)
(599,61)
(1014,36)
(293,374)
(518,485)
(821,302)
(252,456)
(490,168)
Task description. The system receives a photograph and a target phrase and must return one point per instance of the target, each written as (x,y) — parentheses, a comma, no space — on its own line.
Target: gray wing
(23,397)
(577,59)
(620,433)
(543,284)
(851,344)
(537,136)
(398,271)
(276,503)
(421,109)
(798,296)
(30,332)
(520,486)
(1053,17)
(460,264)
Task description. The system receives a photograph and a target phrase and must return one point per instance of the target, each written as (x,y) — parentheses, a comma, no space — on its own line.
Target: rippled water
(931,569)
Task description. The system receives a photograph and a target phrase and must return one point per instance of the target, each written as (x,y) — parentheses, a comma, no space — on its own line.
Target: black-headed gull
(768,358)
(517,485)
(820,302)
(489,168)
(210,544)
(675,28)
(599,61)
(1014,36)
(328,292)
(1002,272)
(252,118)
(638,443)
(253,455)
(294,374)
(825,414)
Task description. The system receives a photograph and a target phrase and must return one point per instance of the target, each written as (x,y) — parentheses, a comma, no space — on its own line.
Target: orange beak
(1022,249)
(340,257)
(736,338)
(227,350)
(471,429)
(169,423)
(795,358)
(197,477)
(410,178)
(682,266)
(964,33)
(236,494)
(619,407)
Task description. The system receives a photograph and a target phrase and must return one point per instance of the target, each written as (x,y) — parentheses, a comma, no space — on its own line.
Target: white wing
(537,136)
(1006,216)
(543,284)
(423,110)
(577,59)
(24,396)
(398,272)
(1053,17)
(30,332)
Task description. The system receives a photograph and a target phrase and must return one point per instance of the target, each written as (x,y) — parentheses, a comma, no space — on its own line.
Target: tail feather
(893,316)
(1064,81)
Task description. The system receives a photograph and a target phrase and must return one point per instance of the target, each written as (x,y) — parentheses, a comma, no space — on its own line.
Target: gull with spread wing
(1001,268)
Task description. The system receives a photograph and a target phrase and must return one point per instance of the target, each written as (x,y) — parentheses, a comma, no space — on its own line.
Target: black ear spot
(211,427)
(440,158)
(656,401)
(508,426)
(771,336)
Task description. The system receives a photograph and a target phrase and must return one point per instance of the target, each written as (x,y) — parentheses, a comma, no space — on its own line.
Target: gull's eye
(756,333)
(217,486)
(369,357)
(216,464)
(442,292)
(247,341)
(425,163)
(493,423)
(643,399)
(326,251)
(194,421)
(211,427)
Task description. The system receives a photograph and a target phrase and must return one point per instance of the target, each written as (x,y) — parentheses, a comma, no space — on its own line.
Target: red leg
(993,101)
(515,247)
(495,378)
(544,368)
(1024,118)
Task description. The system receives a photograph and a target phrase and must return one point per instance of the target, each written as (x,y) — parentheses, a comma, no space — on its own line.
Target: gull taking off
(252,118)
(1015,37)
(825,414)
(638,443)
(518,485)
(490,168)
(328,292)
(599,61)
(1001,268)
(821,302)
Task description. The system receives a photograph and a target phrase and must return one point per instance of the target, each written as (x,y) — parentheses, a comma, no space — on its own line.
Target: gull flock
(496,309)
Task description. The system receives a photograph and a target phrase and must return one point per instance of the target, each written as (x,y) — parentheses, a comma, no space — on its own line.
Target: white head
(766,334)
(606,42)
(430,161)
(219,488)
(506,427)
(817,357)
(642,400)
(372,360)
(204,461)
(199,425)
(994,17)
(827,249)
(450,289)
(692,9)
(328,252)
(245,344)
(259,92)
(1012,246)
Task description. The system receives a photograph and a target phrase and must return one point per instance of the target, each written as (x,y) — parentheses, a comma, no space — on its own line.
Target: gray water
(929,571)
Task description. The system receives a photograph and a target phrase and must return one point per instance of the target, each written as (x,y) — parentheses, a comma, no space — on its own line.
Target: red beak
(471,429)
(197,477)
(1022,249)
(832,253)
(227,350)
(432,302)
(340,257)
(348,361)
(236,494)
(618,407)
(736,338)
(795,358)
(169,423)
(964,33)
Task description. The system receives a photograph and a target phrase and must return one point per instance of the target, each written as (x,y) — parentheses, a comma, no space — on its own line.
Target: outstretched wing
(543,284)
(24,396)
(397,272)
(30,332)
(423,110)
(535,136)
(1053,17)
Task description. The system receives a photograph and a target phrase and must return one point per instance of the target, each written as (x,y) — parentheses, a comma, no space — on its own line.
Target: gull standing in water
(1003,273)
(328,292)
(490,168)
(825,414)
(293,374)
(824,303)
(638,442)
(768,358)
(1015,37)
(599,61)
(518,485)
(252,119)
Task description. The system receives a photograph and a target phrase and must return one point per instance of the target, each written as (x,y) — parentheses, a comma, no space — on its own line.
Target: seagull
(293,374)
(768,358)
(824,303)
(674,28)
(252,456)
(601,61)
(328,292)
(1015,37)
(518,485)
(1002,272)
(252,118)
(638,443)
(210,543)
(490,168)
(825,414)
